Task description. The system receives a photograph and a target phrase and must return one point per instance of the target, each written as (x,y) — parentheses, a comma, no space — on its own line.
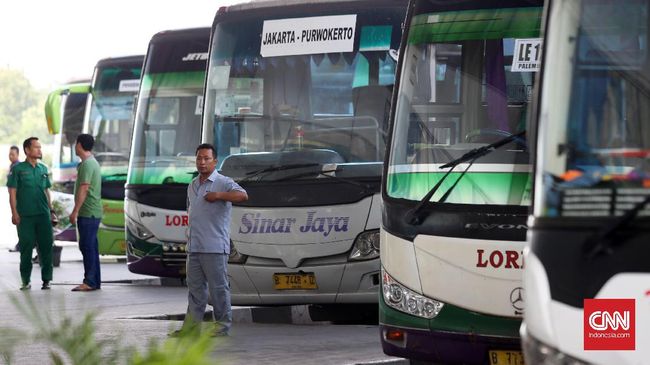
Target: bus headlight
(537,352)
(137,229)
(405,300)
(236,257)
(366,246)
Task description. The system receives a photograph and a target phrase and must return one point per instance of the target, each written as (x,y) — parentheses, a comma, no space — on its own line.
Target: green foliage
(74,342)
(21,109)
(190,348)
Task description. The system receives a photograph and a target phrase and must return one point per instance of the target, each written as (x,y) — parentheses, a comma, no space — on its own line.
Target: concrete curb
(297,314)
(395,361)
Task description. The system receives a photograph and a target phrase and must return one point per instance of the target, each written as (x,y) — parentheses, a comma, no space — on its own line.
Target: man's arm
(79,199)
(234,196)
(49,199)
(15,217)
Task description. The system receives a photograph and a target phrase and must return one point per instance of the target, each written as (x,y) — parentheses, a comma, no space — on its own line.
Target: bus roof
(179,34)
(119,61)
(182,50)
(260,4)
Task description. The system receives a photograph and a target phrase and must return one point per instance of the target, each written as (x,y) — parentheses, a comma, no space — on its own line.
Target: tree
(21,109)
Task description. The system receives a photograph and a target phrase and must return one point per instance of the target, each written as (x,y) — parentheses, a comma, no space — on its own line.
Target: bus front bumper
(447,347)
(351,282)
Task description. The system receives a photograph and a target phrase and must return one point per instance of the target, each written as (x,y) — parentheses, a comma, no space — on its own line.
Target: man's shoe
(46,285)
(15,249)
(83,287)
(26,286)
(219,334)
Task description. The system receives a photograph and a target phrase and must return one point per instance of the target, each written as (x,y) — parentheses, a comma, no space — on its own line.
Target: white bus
(166,133)
(296,103)
(587,275)
(457,182)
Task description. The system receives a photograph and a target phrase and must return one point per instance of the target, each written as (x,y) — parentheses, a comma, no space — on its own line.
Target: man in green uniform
(31,211)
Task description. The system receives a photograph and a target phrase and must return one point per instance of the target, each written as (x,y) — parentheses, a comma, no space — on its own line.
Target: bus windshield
(269,104)
(111,113)
(466,82)
(595,160)
(72,124)
(168,117)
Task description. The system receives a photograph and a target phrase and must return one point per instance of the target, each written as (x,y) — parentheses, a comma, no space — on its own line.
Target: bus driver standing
(209,203)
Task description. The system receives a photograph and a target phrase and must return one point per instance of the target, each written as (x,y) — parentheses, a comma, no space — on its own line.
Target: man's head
(14,154)
(84,145)
(206,159)
(32,148)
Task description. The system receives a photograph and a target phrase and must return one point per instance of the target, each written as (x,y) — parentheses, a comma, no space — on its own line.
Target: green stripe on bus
(173,80)
(502,188)
(466,25)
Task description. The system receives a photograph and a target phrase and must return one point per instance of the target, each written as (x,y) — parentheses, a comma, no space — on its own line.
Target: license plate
(294,281)
(500,357)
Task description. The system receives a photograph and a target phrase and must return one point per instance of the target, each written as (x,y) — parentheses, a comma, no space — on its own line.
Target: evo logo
(609,324)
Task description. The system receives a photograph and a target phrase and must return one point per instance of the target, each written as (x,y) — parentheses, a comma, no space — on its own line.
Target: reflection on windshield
(111,124)
(460,94)
(599,165)
(168,128)
(288,108)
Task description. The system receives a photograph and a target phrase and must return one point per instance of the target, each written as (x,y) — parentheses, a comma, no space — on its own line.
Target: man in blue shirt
(209,204)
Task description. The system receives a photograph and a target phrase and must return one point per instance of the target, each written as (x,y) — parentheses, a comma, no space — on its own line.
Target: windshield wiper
(415,216)
(482,151)
(252,174)
(601,242)
(325,173)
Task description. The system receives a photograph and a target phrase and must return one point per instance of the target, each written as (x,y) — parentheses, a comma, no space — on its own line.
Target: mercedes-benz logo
(517,298)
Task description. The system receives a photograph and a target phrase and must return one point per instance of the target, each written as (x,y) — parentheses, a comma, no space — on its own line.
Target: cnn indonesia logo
(609,324)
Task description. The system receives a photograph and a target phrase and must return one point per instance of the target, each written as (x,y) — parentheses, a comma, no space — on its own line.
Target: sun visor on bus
(53,112)
(54,106)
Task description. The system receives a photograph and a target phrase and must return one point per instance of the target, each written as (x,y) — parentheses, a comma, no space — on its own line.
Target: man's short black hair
(28,142)
(207,146)
(87,141)
(15,148)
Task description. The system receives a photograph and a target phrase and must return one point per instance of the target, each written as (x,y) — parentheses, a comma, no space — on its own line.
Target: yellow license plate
(294,281)
(501,357)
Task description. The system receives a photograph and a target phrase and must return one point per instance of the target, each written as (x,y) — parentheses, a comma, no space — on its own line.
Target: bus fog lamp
(366,246)
(405,300)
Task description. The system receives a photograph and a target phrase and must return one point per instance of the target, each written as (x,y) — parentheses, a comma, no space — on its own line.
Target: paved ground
(126,296)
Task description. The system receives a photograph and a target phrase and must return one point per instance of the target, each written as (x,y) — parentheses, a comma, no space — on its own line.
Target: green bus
(166,133)
(457,182)
(109,118)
